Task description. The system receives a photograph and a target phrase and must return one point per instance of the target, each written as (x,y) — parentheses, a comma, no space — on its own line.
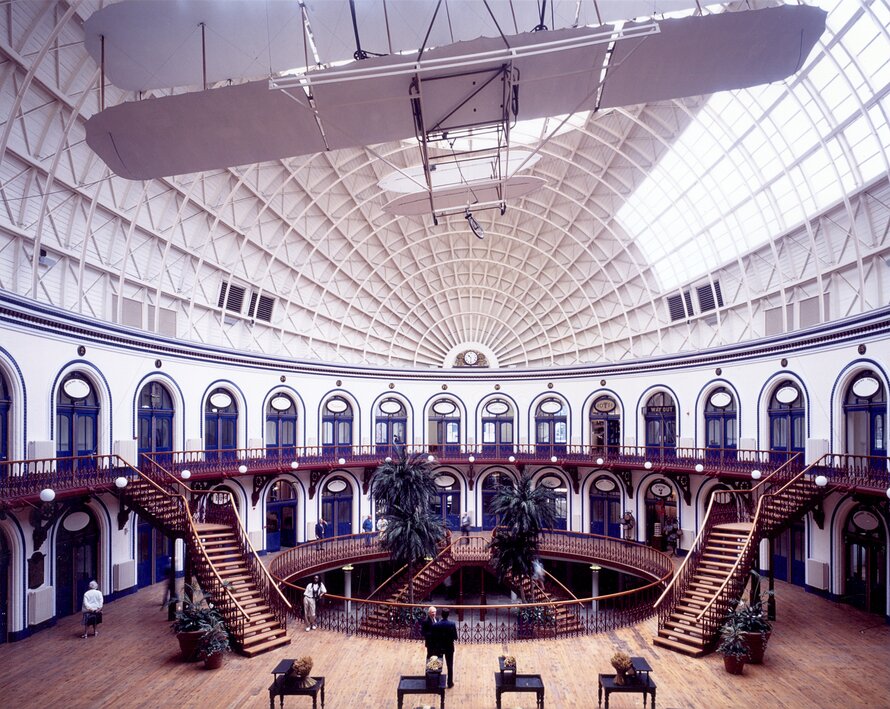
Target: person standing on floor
(465,524)
(314,592)
(367,528)
(426,630)
(93,600)
(320,528)
(444,637)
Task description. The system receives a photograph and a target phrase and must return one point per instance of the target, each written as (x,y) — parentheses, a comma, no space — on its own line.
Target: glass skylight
(758,162)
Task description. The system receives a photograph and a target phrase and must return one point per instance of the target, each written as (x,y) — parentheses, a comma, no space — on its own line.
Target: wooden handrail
(704,528)
(753,531)
(387,580)
(560,584)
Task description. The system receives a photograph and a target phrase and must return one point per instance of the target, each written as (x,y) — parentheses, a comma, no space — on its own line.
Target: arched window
(5,406)
(787,422)
(281,516)
(155,423)
(865,560)
(490,486)
(661,507)
(77,418)
(444,427)
(447,504)
(390,427)
(560,500)
(220,425)
(865,418)
(605,426)
(605,507)
(77,559)
(497,428)
(551,427)
(336,428)
(660,413)
(336,507)
(721,425)
(281,426)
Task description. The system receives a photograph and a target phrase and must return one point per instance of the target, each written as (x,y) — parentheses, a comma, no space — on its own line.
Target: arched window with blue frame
(281,427)
(336,427)
(336,507)
(444,427)
(497,428)
(721,425)
(551,427)
(490,486)
(865,560)
(77,419)
(5,408)
(220,425)
(281,516)
(560,503)
(446,504)
(660,413)
(787,422)
(605,426)
(865,419)
(605,507)
(390,427)
(154,424)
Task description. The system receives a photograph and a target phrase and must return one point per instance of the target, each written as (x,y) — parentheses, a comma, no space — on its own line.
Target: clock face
(470,357)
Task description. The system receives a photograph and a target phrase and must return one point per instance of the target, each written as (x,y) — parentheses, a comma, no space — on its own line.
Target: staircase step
(691,650)
(271,644)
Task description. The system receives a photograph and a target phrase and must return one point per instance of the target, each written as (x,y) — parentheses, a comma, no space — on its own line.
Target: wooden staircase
(566,619)
(223,562)
(713,576)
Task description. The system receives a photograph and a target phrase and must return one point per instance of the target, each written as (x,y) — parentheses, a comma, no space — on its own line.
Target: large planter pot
(213,661)
(756,646)
(734,665)
(188,644)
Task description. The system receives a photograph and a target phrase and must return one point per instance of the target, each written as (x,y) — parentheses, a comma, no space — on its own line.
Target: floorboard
(821,654)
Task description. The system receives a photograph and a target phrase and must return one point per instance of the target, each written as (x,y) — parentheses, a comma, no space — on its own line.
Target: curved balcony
(484,623)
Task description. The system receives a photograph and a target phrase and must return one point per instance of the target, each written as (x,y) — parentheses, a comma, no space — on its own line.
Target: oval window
(336,486)
(866,387)
(551,406)
(721,399)
(390,406)
(77,388)
(76,521)
(787,395)
(496,408)
(444,407)
(865,520)
(551,481)
(337,406)
(660,490)
(604,405)
(281,403)
(444,481)
(220,400)
(604,485)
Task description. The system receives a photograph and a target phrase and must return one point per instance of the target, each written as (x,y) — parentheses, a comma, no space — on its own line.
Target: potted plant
(433,672)
(624,668)
(733,647)
(297,677)
(213,644)
(507,666)
(752,619)
(193,618)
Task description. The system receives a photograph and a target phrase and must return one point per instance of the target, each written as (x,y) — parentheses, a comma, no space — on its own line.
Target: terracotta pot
(756,646)
(733,665)
(213,661)
(188,645)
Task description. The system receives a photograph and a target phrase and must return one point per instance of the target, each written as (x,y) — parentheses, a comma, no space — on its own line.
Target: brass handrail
(753,531)
(703,529)
(388,580)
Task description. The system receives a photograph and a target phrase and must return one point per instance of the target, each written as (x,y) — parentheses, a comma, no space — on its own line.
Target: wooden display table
(523,683)
(416,684)
(281,688)
(640,686)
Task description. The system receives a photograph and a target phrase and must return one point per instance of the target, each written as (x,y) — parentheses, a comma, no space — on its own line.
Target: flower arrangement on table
(434,664)
(509,662)
(298,674)
(623,667)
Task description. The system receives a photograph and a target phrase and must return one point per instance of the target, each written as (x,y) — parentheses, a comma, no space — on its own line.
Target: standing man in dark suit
(444,637)
(426,630)
(320,528)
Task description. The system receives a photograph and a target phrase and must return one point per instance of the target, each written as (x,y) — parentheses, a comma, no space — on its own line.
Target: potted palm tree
(404,489)
(193,618)
(733,647)
(751,617)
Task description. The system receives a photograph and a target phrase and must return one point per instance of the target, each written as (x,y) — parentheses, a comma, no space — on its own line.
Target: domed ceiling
(653,229)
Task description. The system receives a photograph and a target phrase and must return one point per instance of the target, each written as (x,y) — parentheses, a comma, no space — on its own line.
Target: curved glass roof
(661,228)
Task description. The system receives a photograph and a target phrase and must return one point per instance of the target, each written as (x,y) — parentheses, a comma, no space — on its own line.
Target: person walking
(426,630)
(93,600)
(314,592)
(444,637)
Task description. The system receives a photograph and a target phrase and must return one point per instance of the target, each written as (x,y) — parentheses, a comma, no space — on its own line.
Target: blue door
(77,555)
(390,428)
(489,487)
(281,516)
(605,427)
(5,558)
(281,427)
(444,421)
(77,422)
(865,415)
(336,507)
(605,508)
(5,404)
(220,426)
(551,428)
(336,428)
(789,555)
(446,505)
(660,413)
(787,422)
(155,423)
(720,426)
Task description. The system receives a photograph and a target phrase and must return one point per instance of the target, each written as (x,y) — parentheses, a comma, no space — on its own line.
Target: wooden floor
(821,655)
